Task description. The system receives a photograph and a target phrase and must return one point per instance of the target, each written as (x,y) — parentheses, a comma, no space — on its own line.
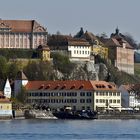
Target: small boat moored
(68,113)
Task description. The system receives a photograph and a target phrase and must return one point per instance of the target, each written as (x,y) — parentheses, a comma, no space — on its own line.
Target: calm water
(70,130)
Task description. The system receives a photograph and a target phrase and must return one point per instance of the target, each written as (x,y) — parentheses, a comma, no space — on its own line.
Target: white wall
(79,51)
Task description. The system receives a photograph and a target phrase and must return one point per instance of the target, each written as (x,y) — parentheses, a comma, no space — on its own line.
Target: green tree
(129,38)
(12,70)
(3,67)
(39,70)
(63,64)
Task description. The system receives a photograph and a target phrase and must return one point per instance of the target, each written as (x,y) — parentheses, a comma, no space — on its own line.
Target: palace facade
(21,34)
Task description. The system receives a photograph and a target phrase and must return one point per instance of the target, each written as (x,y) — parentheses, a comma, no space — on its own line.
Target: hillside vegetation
(63,69)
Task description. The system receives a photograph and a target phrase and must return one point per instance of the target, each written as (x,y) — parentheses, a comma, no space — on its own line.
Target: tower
(117,31)
(7,89)
(21,81)
(44,52)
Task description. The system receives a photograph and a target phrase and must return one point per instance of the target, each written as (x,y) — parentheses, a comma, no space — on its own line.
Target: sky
(68,16)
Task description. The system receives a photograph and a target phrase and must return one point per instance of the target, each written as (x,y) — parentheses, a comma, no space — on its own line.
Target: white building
(130,96)
(106,96)
(79,49)
(76,49)
(21,34)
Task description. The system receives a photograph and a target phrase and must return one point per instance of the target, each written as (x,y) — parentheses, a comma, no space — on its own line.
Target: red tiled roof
(78,42)
(70,85)
(61,40)
(103,85)
(132,87)
(24,26)
(3,99)
(116,42)
(53,85)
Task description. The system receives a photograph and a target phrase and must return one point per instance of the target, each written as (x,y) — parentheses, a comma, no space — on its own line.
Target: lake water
(70,130)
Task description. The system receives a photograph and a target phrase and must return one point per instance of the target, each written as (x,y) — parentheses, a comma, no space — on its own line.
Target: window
(74,100)
(82,93)
(114,101)
(118,101)
(68,94)
(110,101)
(88,100)
(88,107)
(52,94)
(52,100)
(88,93)
(96,100)
(118,94)
(83,108)
(114,94)
(82,100)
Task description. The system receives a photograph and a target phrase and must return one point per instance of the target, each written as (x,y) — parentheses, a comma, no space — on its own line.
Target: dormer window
(42,86)
(110,86)
(64,86)
(73,87)
(48,86)
(57,86)
(81,87)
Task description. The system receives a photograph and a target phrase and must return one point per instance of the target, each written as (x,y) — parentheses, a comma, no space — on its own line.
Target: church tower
(7,89)
(21,81)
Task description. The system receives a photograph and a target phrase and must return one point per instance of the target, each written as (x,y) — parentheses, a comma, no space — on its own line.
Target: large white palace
(23,34)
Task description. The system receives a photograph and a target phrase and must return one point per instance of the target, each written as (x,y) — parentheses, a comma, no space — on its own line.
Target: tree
(39,70)
(12,70)
(103,35)
(63,64)
(3,67)
(129,38)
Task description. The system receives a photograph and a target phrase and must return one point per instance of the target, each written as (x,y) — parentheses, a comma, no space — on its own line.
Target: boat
(67,113)
(39,114)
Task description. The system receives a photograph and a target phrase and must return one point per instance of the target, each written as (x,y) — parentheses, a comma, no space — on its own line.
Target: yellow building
(97,47)
(5,106)
(44,52)
(106,96)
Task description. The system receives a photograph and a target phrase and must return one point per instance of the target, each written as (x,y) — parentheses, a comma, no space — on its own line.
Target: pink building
(121,53)
(22,34)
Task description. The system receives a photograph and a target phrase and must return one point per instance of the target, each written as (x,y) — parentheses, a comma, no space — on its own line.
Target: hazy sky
(67,16)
